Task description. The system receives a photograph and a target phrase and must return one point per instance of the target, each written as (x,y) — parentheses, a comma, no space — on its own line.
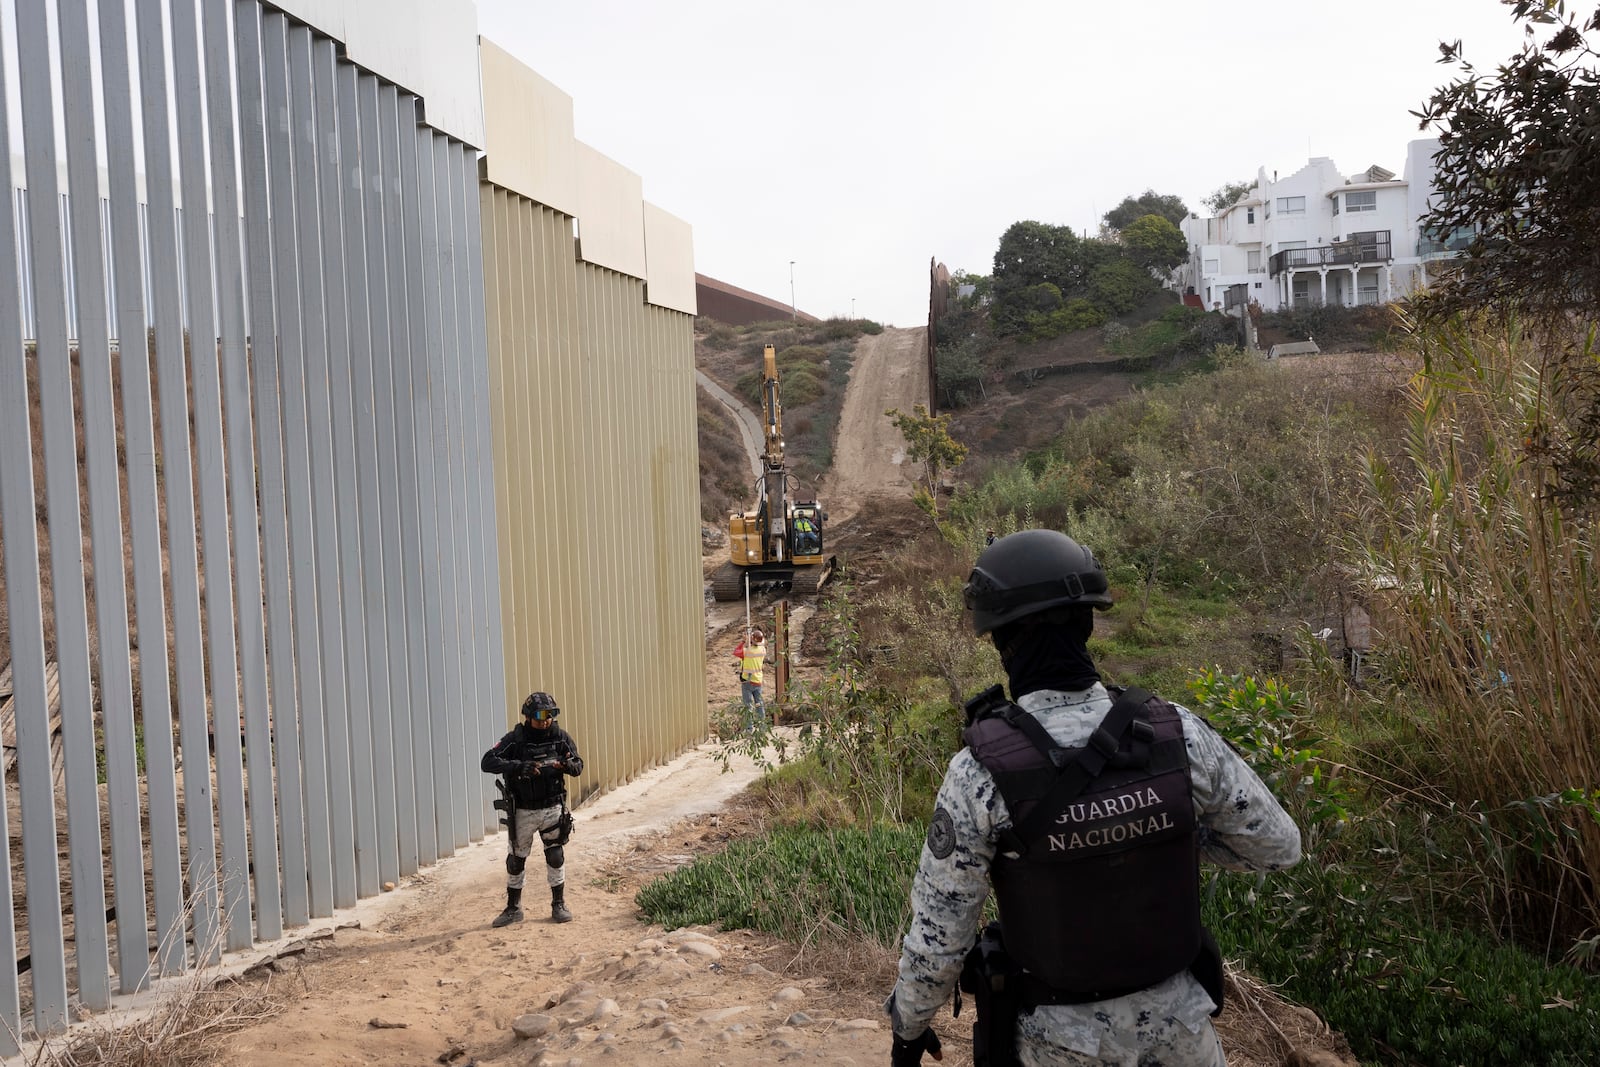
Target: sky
(825,152)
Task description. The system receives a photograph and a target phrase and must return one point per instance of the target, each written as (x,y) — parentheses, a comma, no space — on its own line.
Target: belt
(1033,992)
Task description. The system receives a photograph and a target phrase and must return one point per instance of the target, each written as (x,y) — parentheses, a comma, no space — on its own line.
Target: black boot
(513,912)
(558,905)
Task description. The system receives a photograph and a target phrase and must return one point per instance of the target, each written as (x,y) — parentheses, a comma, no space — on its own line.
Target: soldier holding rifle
(535,759)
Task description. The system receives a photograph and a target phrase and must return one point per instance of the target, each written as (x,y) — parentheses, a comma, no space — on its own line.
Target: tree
(928,442)
(1518,168)
(1150,202)
(1226,195)
(1033,252)
(960,371)
(1155,243)
(1120,286)
(1518,178)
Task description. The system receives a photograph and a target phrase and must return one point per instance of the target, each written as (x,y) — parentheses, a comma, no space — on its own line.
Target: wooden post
(780,658)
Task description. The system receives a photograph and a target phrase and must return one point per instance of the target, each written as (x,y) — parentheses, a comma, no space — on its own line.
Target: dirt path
(890,371)
(425,979)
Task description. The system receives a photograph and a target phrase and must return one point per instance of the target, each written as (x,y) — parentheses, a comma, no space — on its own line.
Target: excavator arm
(759,540)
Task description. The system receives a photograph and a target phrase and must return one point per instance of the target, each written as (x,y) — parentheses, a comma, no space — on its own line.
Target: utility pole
(852,307)
(793,314)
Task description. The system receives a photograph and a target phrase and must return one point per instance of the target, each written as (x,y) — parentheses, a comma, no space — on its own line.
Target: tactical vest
(538,790)
(1102,895)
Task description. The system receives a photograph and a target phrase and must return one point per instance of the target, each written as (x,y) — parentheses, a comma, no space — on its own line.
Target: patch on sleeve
(941,834)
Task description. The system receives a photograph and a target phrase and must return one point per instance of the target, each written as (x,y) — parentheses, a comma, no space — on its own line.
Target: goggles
(542,714)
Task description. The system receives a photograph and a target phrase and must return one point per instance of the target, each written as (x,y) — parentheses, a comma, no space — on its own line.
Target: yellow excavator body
(779,539)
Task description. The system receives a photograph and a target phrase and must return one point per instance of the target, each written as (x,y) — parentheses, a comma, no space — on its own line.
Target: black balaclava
(1048,650)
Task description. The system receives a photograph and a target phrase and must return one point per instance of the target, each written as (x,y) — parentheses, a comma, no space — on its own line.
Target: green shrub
(721,335)
(799,884)
(803,384)
(1400,988)
(1076,314)
(1119,286)
(800,355)
(1272,727)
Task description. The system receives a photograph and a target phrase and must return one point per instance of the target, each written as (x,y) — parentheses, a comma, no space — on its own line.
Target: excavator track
(727,583)
(809,577)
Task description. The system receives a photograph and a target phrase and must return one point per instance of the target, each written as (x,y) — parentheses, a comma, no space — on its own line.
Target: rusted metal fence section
(276,655)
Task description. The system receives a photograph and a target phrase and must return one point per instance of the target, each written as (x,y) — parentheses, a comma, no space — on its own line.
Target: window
(1291,205)
(1367,201)
(1250,216)
(1335,199)
(1253,261)
(1213,266)
(1372,244)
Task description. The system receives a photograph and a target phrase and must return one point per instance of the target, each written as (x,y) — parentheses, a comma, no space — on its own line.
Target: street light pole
(852,307)
(793,314)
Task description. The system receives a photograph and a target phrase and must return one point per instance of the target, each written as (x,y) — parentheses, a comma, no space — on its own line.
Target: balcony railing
(1345,253)
(1429,248)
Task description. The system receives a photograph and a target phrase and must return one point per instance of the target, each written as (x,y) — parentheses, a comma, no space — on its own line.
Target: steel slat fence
(289,359)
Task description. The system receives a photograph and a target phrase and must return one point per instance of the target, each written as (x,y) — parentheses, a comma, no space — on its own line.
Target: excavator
(779,541)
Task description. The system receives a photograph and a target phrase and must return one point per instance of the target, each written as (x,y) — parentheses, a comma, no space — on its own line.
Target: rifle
(989,975)
(508,804)
(542,755)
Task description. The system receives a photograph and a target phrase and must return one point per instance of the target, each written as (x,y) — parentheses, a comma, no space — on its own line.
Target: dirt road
(890,371)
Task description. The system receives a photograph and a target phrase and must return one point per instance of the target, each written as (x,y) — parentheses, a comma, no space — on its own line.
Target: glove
(527,769)
(905,1053)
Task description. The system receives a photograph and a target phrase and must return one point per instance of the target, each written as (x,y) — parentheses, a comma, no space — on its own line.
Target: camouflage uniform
(1242,827)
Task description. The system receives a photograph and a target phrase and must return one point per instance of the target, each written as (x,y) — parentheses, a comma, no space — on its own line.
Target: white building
(1318,237)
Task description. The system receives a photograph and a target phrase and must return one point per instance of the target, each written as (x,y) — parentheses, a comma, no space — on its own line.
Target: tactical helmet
(1032,571)
(540,701)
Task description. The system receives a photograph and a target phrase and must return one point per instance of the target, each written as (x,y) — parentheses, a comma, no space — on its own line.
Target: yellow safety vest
(750,665)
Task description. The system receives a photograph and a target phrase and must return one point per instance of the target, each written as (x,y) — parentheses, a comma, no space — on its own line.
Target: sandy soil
(424,979)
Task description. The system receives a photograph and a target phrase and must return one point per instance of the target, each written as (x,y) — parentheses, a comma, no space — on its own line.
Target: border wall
(353,444)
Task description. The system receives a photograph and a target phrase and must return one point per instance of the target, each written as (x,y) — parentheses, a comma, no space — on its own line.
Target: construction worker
(535,757)
(807,541)
(751,654)
(1087,816)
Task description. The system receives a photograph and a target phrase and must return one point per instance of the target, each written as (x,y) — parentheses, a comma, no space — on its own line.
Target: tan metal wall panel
(427,46)
(610,213)
(529,144)
(594,419)
(669,261)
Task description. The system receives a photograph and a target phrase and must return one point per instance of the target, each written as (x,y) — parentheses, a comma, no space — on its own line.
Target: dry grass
(186,1023)
(189,1028)
(1494,582)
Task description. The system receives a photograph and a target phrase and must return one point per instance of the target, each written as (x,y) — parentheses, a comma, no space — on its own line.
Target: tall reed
(1484,579)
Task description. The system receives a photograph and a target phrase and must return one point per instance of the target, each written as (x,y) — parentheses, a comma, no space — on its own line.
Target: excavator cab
(805,525)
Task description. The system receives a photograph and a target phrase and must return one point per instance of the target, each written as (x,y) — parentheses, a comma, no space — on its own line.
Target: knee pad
(515,863)
(555,856)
